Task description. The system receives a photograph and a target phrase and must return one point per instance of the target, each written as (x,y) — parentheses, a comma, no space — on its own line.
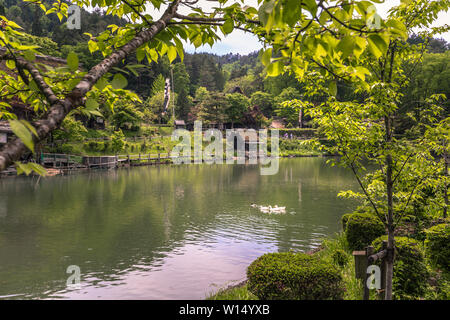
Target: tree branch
(37,77)
(14,149)
(132,7)
(207,23)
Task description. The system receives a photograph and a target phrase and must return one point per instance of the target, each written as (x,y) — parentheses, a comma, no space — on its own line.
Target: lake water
(166,232)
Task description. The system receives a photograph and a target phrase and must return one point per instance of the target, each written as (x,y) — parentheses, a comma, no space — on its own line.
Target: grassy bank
(328,252)
(158,140)
(435,281)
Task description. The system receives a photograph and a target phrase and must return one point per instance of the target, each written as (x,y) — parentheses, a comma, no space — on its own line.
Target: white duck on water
(270,209)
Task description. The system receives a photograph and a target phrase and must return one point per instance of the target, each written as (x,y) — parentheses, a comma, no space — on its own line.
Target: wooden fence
(365,258)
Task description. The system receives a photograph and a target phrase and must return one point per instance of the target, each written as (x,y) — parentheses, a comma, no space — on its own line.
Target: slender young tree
(364,130)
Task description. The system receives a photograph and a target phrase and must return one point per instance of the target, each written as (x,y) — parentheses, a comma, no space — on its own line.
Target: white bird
(278,209)
(268,208)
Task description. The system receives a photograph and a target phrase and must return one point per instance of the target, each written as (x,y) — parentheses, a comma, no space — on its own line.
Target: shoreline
(66,171)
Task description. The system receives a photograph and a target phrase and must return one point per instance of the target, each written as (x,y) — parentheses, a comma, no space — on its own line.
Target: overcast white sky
(244,43)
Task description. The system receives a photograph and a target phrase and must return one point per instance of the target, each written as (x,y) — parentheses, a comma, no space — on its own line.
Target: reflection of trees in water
(138,216)
(3,208)
(299,188)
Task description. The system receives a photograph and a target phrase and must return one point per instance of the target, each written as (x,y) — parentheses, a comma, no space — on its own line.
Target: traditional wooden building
(180,124)
(5,132)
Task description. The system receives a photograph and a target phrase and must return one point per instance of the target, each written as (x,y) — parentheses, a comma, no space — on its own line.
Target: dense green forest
(372,93)
(231,89)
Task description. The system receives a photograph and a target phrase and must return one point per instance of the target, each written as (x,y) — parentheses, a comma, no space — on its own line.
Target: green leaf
(275,69)
(72,83)
(11,64)
(265,11)
(33,86)
(14,25)
(72,61)
(30,127)
(311,6)
(93,46)
(398,28)
(95,113)
(91,104)
(22,168)
(228,26)
(140,54)
(333,88)
(361,45)
(377,45)
(27,168)
(266,57)
(291,12)
(101,84)
(171,53)
(346,45)
(40,170)
(29,55)
(23,133)
(320,51)
(119,81)
(136,74)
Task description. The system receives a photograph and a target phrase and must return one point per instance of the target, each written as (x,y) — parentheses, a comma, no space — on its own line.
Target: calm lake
(167,232)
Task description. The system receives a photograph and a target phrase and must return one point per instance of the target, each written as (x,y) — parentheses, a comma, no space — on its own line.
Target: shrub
(118,141)
(144,145)
(67,149)
(344,220)
(439,286)
(72,130)
(437,245)
(100,147)
(149,131)
(362,229)
(294,276)
(107,146)
(410,279)
(340,258)
(96,146)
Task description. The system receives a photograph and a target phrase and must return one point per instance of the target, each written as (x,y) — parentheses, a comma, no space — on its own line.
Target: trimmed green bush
(410,279)
(294,276)
(437,244)
(361,229)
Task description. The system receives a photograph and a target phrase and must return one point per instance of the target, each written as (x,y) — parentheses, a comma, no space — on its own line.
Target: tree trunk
(300,118)
(389,264)
(390,216)
(445,186)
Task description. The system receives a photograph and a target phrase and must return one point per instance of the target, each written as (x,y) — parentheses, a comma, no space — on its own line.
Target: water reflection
(159,232)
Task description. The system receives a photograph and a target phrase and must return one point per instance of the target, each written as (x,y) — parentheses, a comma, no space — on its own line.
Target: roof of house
(5,127)
(277,124)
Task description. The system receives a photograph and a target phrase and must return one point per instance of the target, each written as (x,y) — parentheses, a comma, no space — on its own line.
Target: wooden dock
(69,162)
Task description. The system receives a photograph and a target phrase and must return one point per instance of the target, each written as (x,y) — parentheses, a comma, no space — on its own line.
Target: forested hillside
(230,89)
